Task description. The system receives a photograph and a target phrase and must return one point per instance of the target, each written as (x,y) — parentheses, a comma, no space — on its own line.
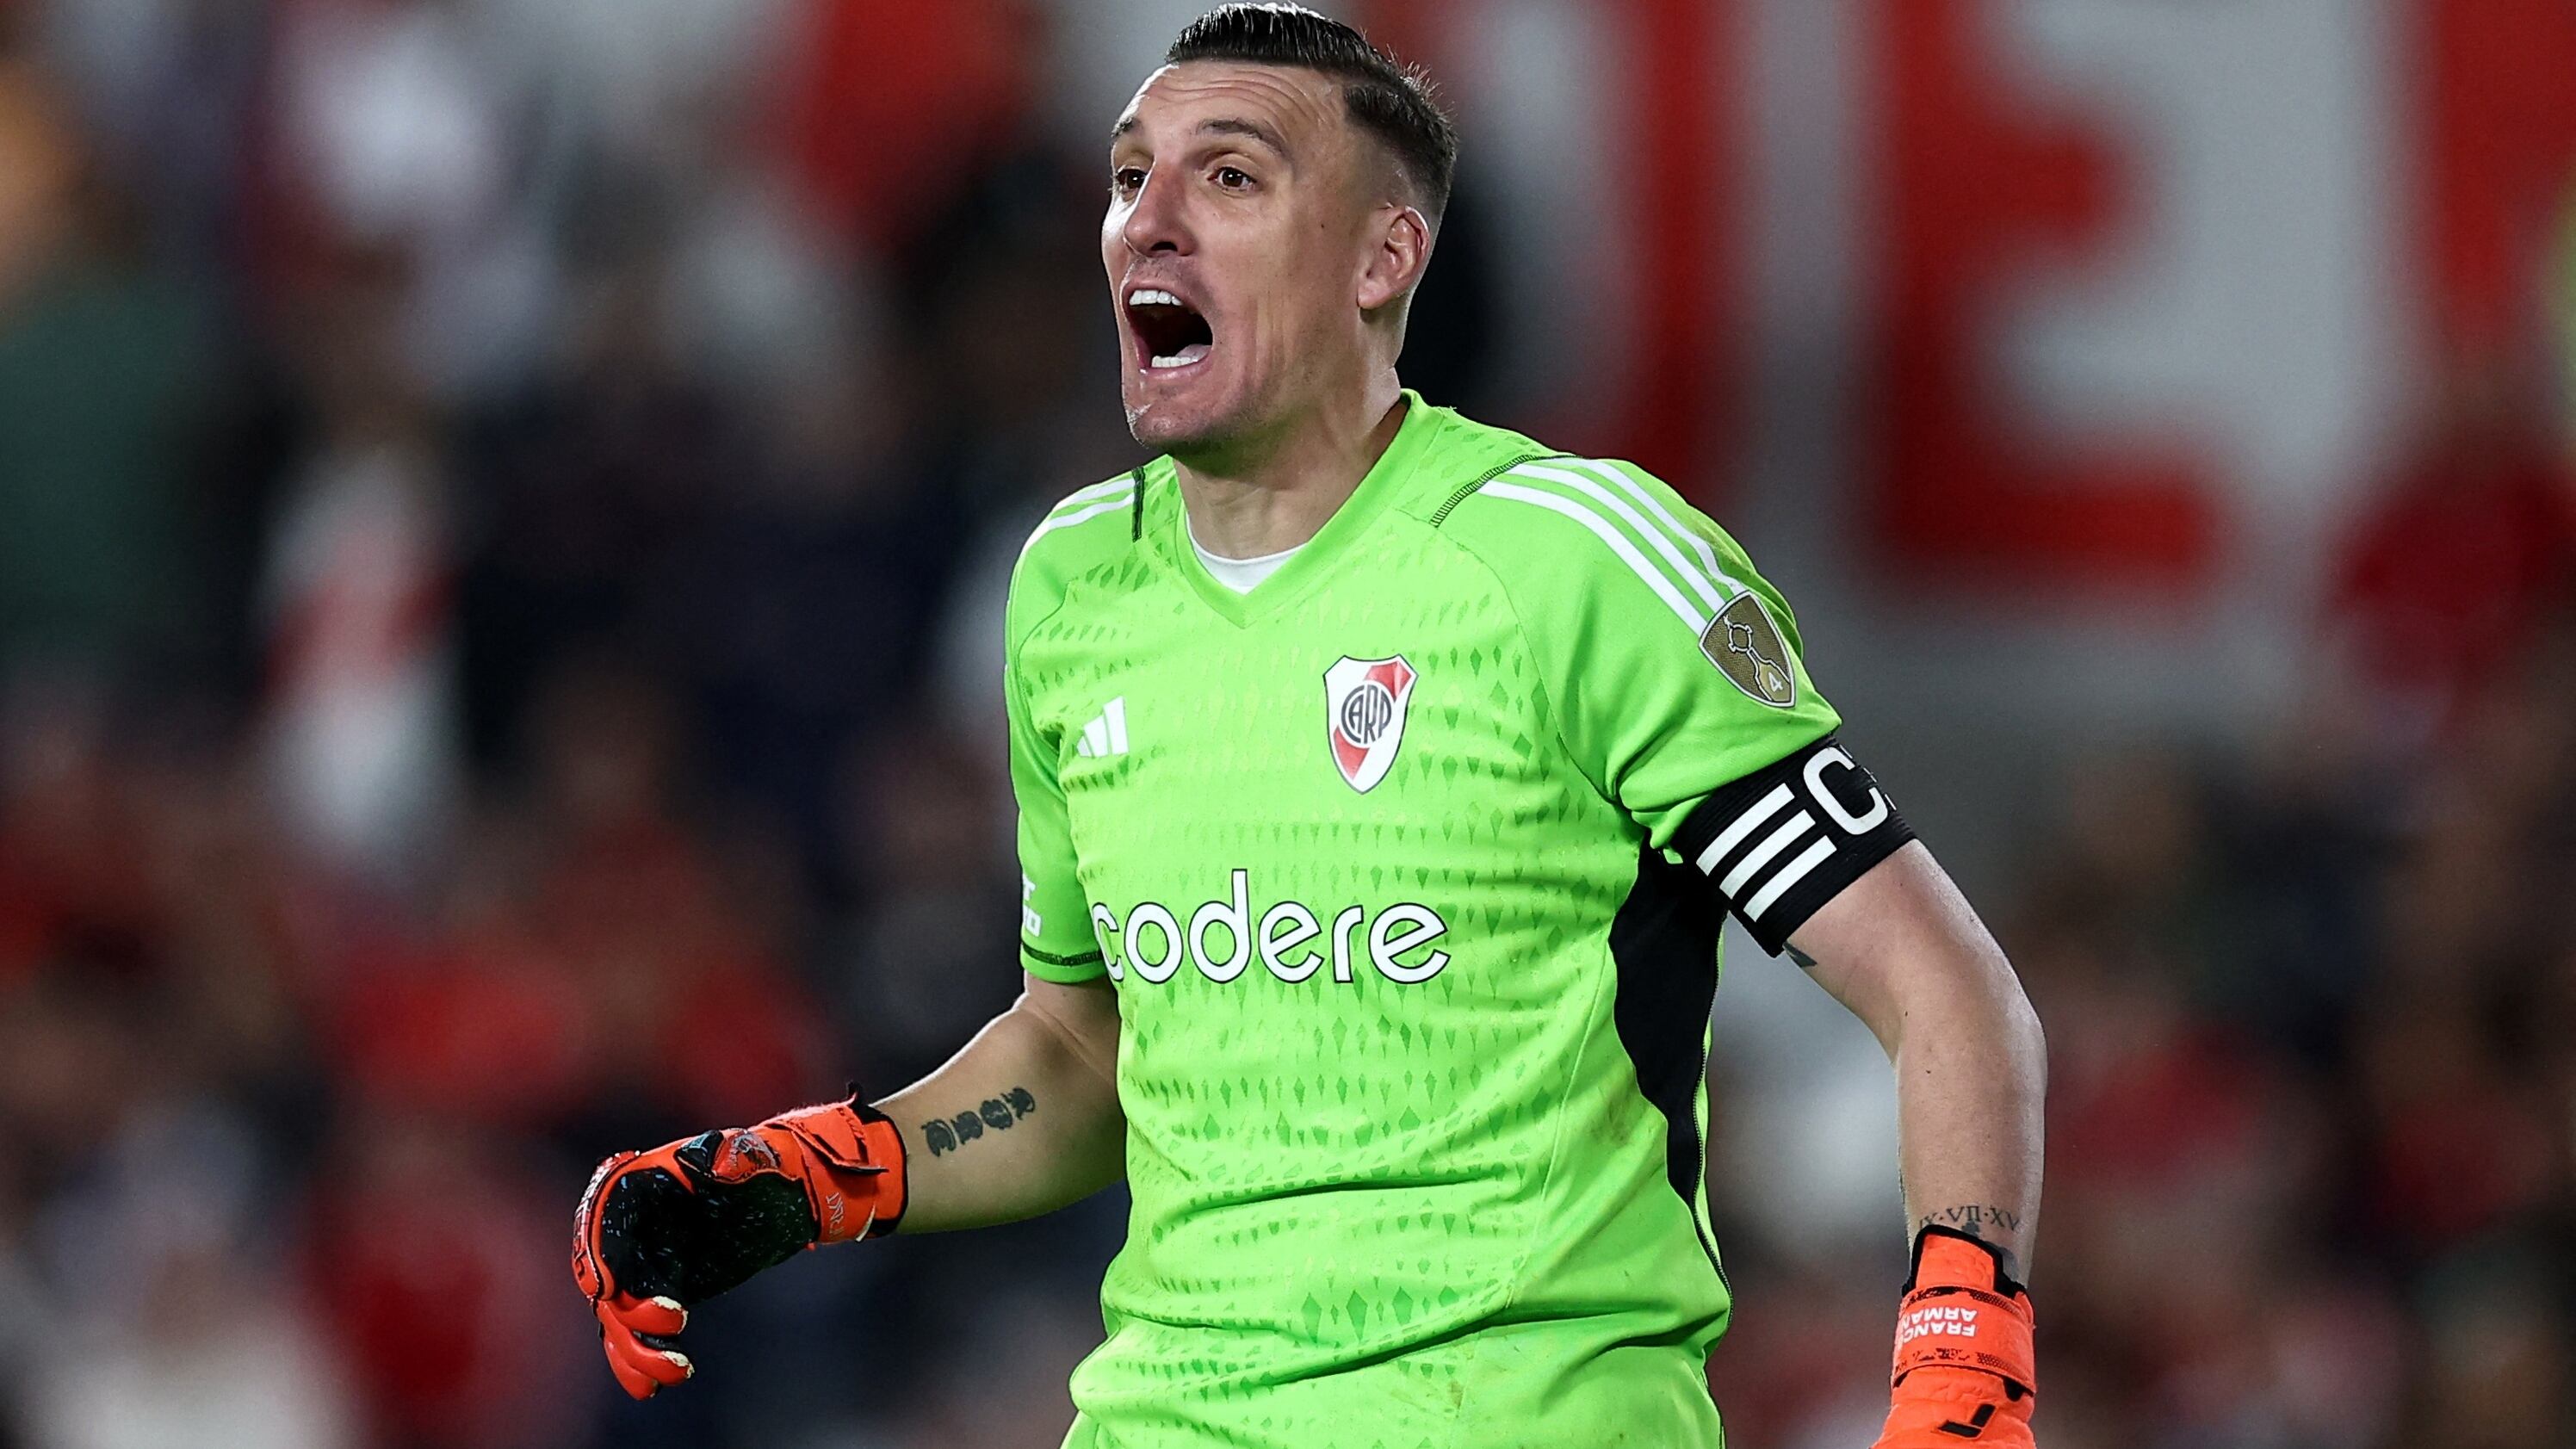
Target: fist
(659,1232)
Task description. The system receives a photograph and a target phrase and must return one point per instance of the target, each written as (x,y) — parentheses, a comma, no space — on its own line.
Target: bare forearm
(1911,959)
(1970,1079)
(1022,1121)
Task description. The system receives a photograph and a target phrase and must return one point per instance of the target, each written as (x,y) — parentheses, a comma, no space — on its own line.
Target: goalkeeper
(1384,780)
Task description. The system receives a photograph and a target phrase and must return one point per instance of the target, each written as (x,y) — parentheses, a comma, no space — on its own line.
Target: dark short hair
(1385,98)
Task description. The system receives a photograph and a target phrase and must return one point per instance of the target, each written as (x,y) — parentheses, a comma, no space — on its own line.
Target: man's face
(1233,243)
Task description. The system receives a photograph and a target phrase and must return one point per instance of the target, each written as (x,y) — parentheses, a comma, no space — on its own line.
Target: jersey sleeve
(1681,689)
(1056,943)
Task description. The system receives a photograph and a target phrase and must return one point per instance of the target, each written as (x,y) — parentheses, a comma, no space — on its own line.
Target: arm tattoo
(943,1135)
(1974,1220)
(1984,1222)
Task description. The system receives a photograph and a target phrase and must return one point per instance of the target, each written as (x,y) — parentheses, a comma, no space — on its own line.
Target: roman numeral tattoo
(1982,1221)
(1976,1220)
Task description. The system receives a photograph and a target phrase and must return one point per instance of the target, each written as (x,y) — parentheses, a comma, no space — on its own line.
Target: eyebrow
(1218,126)
(1228,126)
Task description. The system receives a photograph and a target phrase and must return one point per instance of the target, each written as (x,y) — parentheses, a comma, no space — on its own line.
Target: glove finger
(634,1381)
(661,1367)
(664,1366)
(661,1317)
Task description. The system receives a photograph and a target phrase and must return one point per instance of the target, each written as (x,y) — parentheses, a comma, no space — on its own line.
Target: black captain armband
(1787,838)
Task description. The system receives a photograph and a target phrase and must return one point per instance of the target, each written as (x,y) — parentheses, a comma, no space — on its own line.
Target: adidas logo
(1107,732)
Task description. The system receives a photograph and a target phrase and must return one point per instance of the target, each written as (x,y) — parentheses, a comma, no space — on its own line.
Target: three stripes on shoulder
(1083,505)
(1688,577)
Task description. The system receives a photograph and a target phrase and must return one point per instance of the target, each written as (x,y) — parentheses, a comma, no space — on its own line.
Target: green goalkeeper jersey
(1408,868)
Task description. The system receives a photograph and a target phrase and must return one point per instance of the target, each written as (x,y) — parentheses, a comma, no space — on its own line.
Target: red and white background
(503,507)
(2053,316)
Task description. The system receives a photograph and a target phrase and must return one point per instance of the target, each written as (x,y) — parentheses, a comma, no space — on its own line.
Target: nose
(1155,224)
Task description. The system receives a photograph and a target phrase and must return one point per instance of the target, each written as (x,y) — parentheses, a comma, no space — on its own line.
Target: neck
(1247,502)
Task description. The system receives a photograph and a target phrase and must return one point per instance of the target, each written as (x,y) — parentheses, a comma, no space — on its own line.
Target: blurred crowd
(501,546)
(2311,1011)
(494,669)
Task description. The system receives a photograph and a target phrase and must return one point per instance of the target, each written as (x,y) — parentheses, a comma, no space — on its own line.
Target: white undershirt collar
(1240,574)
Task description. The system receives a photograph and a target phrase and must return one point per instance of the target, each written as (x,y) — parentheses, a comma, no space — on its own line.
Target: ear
(1398,251)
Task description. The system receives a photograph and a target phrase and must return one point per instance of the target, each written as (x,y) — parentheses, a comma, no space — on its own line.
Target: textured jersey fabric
(1413,990)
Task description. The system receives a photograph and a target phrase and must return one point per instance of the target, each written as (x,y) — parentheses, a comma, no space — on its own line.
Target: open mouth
(1170,333)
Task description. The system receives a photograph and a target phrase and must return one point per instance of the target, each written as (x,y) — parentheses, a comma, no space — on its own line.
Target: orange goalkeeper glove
(1965,1369)
(661,1231)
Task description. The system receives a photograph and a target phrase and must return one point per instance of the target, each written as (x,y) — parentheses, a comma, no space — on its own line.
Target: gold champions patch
(1745,646)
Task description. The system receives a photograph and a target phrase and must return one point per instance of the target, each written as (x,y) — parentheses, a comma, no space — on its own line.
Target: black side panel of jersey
(1664,940)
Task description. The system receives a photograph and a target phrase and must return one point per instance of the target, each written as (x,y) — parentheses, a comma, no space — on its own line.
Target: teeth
(1188,356)
(1152,297)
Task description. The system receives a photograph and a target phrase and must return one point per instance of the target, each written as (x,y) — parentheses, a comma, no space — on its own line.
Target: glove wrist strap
(855,1179)
(1962,1312)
